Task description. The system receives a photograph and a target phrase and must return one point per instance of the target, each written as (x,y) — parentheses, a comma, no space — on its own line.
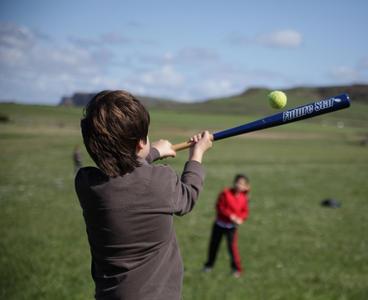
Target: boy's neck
(236,191)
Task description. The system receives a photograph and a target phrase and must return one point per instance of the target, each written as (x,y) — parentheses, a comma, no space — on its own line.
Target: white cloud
(166,75)
(12,36)
(35,69)
(188,56)
(347,74)
(226,80)
(196,55)
(288,38)
(363,63)
(168,56)
(164,81)
(109,38)
(216,87)
(344,73)
(216,81)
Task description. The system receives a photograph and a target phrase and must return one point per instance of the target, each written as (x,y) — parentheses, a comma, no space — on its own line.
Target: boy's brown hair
(114,122)
(241,176)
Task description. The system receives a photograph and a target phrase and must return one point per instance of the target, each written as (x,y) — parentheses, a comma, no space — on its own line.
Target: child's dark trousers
(232,246)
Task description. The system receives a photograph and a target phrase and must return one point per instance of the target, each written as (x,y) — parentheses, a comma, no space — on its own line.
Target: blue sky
(186,50)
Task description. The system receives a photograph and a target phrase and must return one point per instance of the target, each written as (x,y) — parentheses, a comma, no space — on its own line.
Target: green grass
(291,247)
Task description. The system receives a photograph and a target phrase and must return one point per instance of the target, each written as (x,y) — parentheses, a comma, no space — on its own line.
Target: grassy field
(292,248)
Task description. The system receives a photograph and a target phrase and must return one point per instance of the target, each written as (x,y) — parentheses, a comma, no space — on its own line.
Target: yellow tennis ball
(277,99)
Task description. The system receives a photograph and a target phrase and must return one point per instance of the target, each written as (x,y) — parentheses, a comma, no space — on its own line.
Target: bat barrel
(292,115)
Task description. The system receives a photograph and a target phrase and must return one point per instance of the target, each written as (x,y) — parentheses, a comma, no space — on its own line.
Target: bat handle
(181,146)
(185,145)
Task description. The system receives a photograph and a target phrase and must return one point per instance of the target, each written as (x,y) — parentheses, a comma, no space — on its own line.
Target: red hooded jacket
(229,203)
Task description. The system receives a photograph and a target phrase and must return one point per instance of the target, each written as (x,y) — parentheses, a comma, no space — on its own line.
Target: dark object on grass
(364,142)
(332,203)
(4,118)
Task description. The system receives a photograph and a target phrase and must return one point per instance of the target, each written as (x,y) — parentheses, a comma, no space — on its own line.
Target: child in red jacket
(232,210)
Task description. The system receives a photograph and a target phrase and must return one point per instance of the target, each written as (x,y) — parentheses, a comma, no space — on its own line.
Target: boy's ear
(140,145)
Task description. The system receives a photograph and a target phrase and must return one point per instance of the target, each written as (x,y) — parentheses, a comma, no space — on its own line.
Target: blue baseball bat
(288,116)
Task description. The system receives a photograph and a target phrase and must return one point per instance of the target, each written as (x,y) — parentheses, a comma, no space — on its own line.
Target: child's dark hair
(114,122)
(241,176)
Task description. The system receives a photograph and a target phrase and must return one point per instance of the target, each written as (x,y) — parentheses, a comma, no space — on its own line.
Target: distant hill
(250,102)
(254,100)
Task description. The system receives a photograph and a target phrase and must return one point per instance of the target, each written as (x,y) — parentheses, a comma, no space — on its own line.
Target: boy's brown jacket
(129,222)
